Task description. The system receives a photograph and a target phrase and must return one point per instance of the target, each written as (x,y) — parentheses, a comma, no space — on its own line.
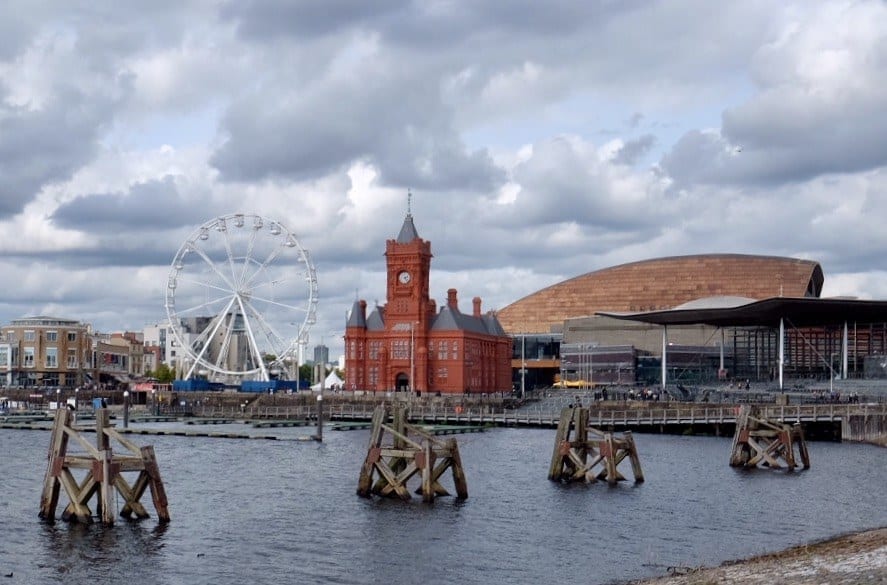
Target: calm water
(286,512)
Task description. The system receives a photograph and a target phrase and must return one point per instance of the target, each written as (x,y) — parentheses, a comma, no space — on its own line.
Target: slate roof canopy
(408,231)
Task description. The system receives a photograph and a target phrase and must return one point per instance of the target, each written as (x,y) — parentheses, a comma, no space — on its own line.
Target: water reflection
(84,553)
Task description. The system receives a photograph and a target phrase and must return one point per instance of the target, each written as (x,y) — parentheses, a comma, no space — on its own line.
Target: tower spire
(409,201)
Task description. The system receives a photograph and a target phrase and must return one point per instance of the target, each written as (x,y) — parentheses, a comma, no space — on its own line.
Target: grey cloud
(258,19)
(148,206)
(386,120)
(38,147)
(632,150)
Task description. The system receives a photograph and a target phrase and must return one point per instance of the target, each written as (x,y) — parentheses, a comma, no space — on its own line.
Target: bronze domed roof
(662,283)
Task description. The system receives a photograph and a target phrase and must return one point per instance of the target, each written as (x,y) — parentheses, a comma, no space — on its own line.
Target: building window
(4,356)
(52,336)
(400,350)
(375,347)
(72,358)
(72,336)
(442,350)
(52,357)
(455,350)
(28,357)
(30,336)
(442,373)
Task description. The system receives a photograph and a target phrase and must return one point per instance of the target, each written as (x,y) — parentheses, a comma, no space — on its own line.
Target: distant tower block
(412,451)
(760,441)
(583,453)
(104,474)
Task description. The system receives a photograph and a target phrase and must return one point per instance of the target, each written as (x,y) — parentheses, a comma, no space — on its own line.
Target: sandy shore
(854,559)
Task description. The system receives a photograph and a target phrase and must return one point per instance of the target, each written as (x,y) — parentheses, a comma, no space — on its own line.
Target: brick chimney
(363,310)
(452,301)
(476,302)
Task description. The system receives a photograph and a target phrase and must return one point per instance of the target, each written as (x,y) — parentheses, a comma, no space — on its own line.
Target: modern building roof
(797,312)
(660,284)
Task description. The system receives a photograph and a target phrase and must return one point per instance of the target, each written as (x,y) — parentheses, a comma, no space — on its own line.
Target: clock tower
(409,268)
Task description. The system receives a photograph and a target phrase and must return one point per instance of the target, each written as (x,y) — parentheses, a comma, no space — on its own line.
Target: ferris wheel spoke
(204,304)
(212,329)
(252,340)
(213,267)
(206,284)
(279,304)
(249,255)
(268,260)
(274,338)
(230,256)
(226,344)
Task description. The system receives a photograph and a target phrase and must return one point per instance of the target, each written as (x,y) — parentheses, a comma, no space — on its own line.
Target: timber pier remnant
(759,440)
(412,451)
(579,449)
(104,474)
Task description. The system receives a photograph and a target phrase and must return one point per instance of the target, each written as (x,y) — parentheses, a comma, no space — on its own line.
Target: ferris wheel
(240,299)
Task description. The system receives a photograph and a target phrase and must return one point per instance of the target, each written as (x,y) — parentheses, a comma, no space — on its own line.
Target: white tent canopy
(332,380)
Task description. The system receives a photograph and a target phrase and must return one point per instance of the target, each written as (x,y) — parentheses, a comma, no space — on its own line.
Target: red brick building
(407,344)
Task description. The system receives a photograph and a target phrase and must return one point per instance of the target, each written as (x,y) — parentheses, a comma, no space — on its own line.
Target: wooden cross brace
(761,441)
(579,449)
(104,474)
(412,452)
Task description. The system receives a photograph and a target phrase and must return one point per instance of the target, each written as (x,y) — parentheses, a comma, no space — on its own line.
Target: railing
(529,417)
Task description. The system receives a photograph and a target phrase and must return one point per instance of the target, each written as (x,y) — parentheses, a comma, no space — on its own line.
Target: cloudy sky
(540,141)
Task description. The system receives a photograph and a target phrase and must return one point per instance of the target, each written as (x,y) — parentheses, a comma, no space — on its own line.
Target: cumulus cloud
(819,108)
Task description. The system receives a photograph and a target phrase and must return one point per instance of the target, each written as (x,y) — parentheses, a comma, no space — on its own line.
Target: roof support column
(722,351)
(664,352)
(781,350)
(844,353)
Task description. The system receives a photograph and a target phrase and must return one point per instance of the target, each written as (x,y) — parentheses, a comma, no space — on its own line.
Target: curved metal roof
(660,284)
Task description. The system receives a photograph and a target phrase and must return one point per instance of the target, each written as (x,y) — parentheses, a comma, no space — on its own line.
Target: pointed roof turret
(357,318)
(408,231)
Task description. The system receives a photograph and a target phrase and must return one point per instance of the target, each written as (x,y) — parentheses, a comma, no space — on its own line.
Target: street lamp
(412,358)
(523,365)
(58,398)
(126,409)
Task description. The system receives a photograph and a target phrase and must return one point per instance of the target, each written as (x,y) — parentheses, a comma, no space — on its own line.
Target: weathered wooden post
(579,448)
(411,451)
(761,441)
(318,436)
(104,474)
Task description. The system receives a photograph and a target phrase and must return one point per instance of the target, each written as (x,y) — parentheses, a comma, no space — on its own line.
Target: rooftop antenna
(409,201)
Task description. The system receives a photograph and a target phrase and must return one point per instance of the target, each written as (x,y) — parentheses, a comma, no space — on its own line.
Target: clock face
(403,277)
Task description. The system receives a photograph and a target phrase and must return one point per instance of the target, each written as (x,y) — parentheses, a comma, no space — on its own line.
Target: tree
(163,374)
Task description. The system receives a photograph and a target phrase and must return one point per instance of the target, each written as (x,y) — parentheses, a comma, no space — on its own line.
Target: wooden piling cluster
(761,441)
(579,449)
(104,474)
(411,451)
